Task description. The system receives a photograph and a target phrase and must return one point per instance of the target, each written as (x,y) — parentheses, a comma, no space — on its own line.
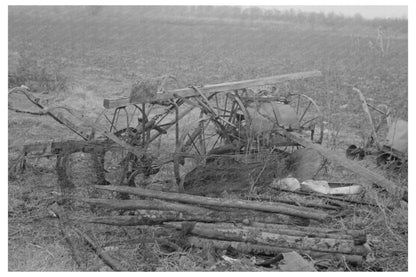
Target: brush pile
(246,226)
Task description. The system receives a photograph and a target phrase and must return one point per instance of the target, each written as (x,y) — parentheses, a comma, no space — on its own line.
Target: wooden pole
(292,202)
(156,217)
(218,202)
(243,234)
(210,89)
(293,230)
(144,205)
(250,248)
(105,257)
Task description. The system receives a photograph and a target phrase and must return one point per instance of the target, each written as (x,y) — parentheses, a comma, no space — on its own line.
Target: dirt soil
(231,175)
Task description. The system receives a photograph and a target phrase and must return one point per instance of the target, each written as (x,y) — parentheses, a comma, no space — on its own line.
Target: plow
(204,125)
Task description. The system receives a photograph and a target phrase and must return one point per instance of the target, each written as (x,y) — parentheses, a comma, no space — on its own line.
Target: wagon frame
(135,141)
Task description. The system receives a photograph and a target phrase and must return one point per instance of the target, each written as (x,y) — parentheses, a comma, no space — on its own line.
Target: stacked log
(255,235)
(247,226)
(280,208)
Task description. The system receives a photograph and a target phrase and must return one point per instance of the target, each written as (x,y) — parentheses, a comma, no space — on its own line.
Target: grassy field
(82,59)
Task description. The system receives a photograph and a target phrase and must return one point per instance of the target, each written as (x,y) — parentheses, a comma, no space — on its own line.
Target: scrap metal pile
(238,122)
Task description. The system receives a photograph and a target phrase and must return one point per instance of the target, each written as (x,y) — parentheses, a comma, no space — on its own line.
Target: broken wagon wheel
(222,131)
(119,163)
(309,116)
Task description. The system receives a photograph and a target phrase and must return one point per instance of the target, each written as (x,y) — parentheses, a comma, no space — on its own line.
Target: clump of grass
(37,75)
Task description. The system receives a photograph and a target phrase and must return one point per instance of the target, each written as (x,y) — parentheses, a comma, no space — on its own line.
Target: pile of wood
(245,225)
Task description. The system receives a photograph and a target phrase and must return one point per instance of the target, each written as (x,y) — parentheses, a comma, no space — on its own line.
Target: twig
(40,247)
(328,197)
(261,171)
(386,222)
(27,112)
(65,229)
(107,259)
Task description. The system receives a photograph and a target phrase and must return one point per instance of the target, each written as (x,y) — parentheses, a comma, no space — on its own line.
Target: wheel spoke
(297,106)
(196,148)
(225,106)
(216,141)
(202,138)
(306,122)
(307,108)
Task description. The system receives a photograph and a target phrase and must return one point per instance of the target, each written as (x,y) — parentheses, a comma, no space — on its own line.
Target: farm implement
(235,122)
(392,152)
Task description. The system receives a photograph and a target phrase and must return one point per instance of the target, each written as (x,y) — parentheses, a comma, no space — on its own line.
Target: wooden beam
(210,89)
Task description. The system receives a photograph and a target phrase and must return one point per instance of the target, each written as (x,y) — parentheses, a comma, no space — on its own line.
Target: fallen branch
(105,257)
(250,248)
(56,116)
(151,217)
(349,232)
(292,202)
(143,204)
(358,238)
(209,215)
(244,234)
(329,198)
(231,203)
(68,234)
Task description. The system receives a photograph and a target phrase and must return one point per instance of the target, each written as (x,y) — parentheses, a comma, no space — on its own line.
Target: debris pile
(234,122)
(244,225)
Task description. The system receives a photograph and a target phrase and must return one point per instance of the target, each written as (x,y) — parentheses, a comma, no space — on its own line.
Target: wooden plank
(210,89)
(373,177)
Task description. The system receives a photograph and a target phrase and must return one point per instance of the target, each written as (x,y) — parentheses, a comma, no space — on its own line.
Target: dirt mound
(228,174)
(305,163)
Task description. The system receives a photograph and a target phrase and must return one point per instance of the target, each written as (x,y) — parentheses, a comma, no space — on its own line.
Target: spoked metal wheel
(221,126)
(125,123)
(309,116)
